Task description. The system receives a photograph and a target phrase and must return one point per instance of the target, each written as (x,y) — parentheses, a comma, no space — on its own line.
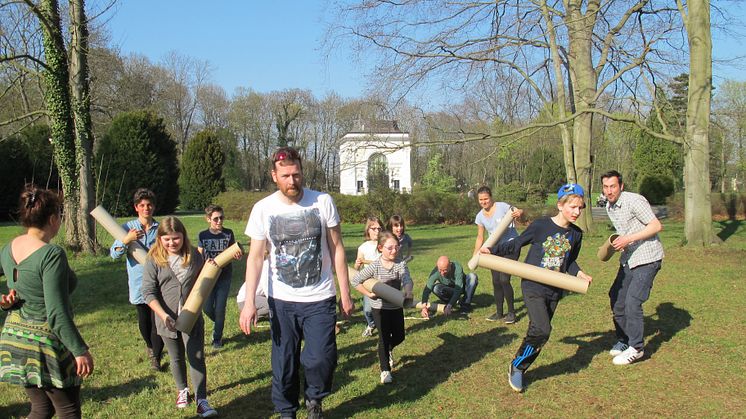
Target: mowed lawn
(456,366)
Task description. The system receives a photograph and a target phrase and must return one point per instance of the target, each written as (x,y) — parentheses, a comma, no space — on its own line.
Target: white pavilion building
(379,149)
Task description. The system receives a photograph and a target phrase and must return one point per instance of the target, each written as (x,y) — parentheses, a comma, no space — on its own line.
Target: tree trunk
(697,210)
(57,101)
(81,105)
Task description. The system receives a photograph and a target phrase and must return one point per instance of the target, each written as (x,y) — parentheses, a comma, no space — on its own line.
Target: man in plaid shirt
(640,261)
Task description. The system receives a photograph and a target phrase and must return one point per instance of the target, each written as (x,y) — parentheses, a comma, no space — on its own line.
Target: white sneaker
(618,348)
(386,377)
(182,399)
(627,357)
(368,331)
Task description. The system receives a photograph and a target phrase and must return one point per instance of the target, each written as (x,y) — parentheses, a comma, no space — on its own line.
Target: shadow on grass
(660,327)
(728,228)
(102,394)
(440,363)
(16,410)
(255,404)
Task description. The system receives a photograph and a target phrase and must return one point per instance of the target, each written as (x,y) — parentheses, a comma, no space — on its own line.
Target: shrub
(352,208)
(13,173)
(656,188)
(511,193)
(201,177)
(136,152)
(237,205)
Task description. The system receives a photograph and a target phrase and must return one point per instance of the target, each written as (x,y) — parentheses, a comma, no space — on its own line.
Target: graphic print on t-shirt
(214,246)
(555,248)
(297,242)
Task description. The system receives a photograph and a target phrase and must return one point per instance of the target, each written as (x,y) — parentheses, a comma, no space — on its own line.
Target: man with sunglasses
(448,282)
(640,261)
(302,229)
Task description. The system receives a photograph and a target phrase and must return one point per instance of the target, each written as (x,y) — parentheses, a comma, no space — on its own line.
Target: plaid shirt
(630,214)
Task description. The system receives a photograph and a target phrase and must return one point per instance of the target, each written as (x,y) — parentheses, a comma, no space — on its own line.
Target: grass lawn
(453,367)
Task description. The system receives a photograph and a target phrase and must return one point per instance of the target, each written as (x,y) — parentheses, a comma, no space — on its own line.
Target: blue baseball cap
(570,189)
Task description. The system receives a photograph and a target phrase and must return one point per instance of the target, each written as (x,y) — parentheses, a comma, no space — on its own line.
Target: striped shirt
(396,277)
(630,214)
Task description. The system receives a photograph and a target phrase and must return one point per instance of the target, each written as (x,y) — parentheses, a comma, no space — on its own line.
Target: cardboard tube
(606,251)
(202,288)
(534,273)
(431,307)
(110,224)
(493,238)
(388,293)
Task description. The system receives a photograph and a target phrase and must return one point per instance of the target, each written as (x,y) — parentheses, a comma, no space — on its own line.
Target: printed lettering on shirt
(555,249)
(297,245)
(214,247)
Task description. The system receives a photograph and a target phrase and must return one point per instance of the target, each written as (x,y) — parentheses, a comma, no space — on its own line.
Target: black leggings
(502,289)
(390,324)
(146,322)
(45,402)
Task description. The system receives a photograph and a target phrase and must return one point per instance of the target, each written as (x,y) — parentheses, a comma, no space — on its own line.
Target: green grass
(455,367)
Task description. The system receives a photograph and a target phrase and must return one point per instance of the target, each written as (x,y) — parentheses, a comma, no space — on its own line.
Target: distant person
(487,220)
(170,272)
(555,245)
(389,318)
(397,226)
(210,244)
(639,263)
(366,254)
(448,282)
(302,228)
(40,347)
(143,230)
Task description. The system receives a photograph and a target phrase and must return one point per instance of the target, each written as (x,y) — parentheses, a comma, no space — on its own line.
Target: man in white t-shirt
(301,228)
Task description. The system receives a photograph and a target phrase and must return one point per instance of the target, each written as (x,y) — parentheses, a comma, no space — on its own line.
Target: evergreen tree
(136,152)
(201,178)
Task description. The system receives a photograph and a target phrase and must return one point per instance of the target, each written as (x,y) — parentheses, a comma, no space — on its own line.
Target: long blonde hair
(159,254)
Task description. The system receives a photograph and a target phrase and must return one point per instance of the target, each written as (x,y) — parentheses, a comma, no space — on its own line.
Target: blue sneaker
(515,378)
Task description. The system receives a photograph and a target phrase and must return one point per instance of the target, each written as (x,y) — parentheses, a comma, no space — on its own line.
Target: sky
(276,44)
(266,45)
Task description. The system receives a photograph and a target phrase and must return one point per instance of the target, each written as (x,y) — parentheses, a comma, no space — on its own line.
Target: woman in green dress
(40,346)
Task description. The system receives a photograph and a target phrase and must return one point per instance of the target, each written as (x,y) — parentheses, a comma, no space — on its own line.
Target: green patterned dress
(39,341)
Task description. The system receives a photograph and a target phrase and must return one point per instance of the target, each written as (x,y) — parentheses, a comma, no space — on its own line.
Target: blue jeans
(290,323)
(445,293)
(630,290)
(368,312)
(215,306)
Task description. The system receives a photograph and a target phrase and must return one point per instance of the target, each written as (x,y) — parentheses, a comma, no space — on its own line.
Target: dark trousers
(630,290)
(146,324)
(45,402)
(390,324)
(215,305)
(541,302)
(290,323)
(445,293)
(502,289)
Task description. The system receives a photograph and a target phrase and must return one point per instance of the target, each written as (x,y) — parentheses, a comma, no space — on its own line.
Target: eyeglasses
(285,153)
(375,228)
(392,248)
(220,218)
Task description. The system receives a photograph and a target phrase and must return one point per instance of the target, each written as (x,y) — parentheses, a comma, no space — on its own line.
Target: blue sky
(273,44)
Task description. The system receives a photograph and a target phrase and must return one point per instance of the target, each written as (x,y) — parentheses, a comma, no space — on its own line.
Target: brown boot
(155,362)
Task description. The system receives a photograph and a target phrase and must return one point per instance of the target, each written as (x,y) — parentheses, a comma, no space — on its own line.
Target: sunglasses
(285,153)
(220,218)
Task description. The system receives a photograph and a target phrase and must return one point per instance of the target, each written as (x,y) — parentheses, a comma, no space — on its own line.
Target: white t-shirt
(369,249)
(261,288)
(300,266)
(490,223)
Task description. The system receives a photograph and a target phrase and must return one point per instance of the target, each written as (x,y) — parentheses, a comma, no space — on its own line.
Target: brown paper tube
(202,288)
(493,238)
(606,251)
(110,224)
(431,307)
(388,293)
(534,273)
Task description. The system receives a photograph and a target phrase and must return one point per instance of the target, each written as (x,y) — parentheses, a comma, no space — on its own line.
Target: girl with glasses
(389,318)
(366,254)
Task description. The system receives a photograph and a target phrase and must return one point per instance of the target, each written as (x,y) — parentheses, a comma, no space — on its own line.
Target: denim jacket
(134,269)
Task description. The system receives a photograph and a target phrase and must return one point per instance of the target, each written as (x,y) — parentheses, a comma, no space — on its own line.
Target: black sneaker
(465,308)
(495,317)
(509,318)
(314,409)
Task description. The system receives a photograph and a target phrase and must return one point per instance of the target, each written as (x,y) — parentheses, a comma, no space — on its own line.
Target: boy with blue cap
(555,245)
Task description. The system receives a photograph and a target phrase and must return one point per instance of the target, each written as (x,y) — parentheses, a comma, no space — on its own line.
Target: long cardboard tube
(431,307)
(387,292)
(534,273)
(493,238)
(110,224)
(202,288)
(606,251)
